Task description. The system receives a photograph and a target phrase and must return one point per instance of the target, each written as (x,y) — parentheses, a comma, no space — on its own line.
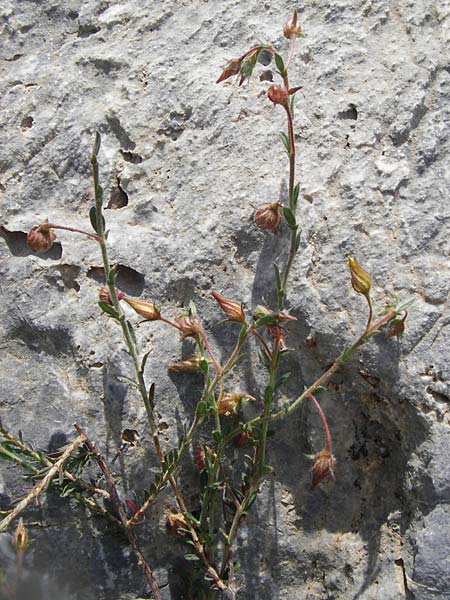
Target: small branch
(43,484)
(324,421)
(94,236)
(123,518)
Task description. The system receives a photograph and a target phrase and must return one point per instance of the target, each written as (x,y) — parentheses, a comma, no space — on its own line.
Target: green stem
(131,346)
(293,240)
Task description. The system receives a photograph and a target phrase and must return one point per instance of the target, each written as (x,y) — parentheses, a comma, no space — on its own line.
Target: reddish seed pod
(292,27)
(278,94)
(268,216)
(41,238)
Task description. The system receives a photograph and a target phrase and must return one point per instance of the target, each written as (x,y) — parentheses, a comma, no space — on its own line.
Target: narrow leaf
(277,276)
(280,64)
(110,310)
(285,141)
(97,144)
(290,218)
(128,381)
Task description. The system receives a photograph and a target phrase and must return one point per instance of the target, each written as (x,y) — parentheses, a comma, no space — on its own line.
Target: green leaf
(290,218)
(192,308)
(109,310)
(280,64)
(144,361)
(201,410)
(267,320)
(93,219)
(296,193)
(217,436)
(250,501)
(190,517)
(128,381)
(282,380)
(285,141)
(268,394)
(265,360)
(97,144)
(191,557)
(277,276)
(242,333)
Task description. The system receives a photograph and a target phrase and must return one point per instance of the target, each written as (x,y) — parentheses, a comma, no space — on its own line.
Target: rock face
(183,162)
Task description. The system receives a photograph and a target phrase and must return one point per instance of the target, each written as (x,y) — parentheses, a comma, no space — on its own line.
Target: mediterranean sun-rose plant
(214,429)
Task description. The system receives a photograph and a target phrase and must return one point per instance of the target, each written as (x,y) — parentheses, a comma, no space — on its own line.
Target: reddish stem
(91,235)
(324,421)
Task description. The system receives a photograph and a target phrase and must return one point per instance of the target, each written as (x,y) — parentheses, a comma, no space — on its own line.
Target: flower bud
(268,216)
(278,335)
(241,439)
(397,326)
(189,365)
(230,403)
(189,326)
(105,296)
(41,238)
(146,309)
(361,280)
(199,459)
(323,466)
(232,309)
(175,521)
(292,27)
(21,539)
(278,94)
(232,67)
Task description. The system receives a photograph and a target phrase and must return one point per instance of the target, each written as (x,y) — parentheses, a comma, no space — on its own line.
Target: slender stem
(263,342)
(369,319)
(293,241)
(94,236)
(131,347)
(324,422)
(291,50)
(43,484)
(149,576)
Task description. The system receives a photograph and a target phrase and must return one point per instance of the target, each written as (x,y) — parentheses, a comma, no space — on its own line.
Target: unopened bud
(232,309)
(323,466)
(105,296)
(41,238)
(278,94)
(21,539)
(397,326)
(292,27)
(175,521)
(146,309)
(199,459)
(232,67)
(278,335)
(241,439)
(361,280)
(188,365)
(189,326)
(268,216)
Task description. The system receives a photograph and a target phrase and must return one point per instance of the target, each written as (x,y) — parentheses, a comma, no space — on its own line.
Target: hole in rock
(26,123)
(266,76)
(131,157)
(118,198)
(128,280)
(17,245)
(350,114)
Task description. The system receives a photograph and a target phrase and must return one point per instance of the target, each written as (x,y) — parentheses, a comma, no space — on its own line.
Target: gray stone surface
(183,162)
